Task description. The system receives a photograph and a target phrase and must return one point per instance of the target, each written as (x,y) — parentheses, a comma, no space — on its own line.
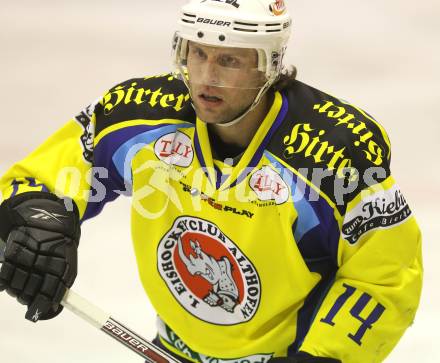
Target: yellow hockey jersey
(306,243)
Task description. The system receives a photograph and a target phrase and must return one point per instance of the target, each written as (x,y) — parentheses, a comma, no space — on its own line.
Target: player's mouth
(210,100)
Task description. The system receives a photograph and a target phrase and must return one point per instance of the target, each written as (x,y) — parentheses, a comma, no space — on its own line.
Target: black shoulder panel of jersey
(150,98)
(337,146)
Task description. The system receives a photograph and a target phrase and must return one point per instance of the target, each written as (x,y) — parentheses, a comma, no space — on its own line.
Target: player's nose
(210,73)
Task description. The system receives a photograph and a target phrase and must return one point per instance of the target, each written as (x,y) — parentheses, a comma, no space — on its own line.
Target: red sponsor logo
(207,273)
(268,185)
(175,148)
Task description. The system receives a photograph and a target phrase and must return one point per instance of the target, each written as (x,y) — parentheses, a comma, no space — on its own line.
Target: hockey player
(266,223)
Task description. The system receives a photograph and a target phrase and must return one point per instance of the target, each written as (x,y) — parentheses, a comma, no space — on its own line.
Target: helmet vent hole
(200,34)
(222,38)
(246,24)
(189,18)
(246,30)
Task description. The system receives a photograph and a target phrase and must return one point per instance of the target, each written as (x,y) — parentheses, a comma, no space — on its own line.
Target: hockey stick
(103,321)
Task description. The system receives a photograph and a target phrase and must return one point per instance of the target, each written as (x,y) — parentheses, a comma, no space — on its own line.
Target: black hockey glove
(303,357)
(40,259)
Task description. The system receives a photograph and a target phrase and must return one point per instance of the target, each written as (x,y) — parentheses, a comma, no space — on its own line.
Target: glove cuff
(8,220)
(11,218)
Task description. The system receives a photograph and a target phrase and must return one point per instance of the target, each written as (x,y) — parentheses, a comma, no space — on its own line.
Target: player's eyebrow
(235,52)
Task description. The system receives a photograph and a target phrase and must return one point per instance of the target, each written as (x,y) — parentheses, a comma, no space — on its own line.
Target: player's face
(223,81)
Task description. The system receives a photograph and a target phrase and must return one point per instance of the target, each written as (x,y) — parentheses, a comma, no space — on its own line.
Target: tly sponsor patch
(175,149)
(383,209)
(207,273)
(269,185)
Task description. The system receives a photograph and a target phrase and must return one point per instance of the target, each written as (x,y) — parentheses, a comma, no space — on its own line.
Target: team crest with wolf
(207,273)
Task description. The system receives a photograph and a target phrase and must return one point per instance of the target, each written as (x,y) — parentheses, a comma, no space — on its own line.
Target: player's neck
(242,132)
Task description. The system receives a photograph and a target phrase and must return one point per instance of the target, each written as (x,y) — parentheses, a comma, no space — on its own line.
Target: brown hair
(286,79)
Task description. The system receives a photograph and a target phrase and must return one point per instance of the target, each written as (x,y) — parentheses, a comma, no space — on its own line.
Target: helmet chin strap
(239,118)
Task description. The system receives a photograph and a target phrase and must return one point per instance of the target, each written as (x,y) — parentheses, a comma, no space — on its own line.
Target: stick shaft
(103,321)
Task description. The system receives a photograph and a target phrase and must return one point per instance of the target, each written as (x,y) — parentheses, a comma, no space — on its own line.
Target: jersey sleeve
(89,158)
(69,165)
(375,294)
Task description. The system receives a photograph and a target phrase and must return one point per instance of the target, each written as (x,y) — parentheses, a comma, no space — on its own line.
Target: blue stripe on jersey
(315,219)
(323,240)
(307,218)
(103,158)
(125,153)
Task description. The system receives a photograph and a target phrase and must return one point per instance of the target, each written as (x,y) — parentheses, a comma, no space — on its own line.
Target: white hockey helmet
(263,25)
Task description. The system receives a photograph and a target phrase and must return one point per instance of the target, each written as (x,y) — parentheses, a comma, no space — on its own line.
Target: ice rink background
(58,56)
